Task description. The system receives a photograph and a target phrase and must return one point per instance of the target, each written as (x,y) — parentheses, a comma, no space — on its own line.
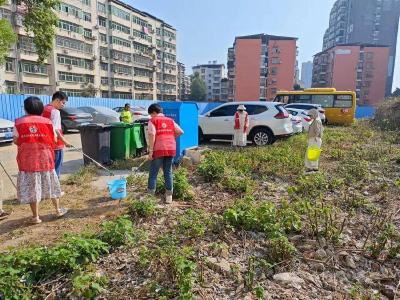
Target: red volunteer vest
(237,121)
(47,114)
(35,144)
(165,143)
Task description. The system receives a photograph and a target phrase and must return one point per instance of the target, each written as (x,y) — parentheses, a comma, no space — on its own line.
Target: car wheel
(262,137)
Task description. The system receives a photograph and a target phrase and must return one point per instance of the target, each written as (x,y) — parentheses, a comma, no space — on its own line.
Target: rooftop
(145,14)
(265,37)
(352,44)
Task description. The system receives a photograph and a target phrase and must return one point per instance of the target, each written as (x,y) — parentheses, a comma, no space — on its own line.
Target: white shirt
(56,119)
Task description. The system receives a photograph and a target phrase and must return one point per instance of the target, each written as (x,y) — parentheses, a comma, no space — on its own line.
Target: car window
(343,101)
(256,109)
(323,100)
(87,109)
(225,111)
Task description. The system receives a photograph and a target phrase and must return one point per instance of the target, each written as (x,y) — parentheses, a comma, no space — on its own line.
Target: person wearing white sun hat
(241,127)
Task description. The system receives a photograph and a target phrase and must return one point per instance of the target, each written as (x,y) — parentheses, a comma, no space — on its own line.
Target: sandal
(61,212)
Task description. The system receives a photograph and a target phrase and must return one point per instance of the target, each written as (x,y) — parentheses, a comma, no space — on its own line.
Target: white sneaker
(61,212)
(168,197)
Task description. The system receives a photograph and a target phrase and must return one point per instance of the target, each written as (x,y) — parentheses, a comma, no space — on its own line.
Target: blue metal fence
(12,106)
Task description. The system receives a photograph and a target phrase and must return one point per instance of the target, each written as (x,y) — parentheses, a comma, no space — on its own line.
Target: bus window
(301,99)
(282,98)
(323,100)
(344,101)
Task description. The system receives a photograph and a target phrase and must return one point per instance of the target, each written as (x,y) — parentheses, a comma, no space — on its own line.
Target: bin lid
(94,125)
(121,124)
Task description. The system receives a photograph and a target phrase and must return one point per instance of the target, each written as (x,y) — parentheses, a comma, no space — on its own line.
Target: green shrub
(237,184)
(193,223)
(182,188)
(89,285)
(388,238)
(212,168)
(387,115)
(83,176)
(120,232)
(143,208)
(279,249)
(311,186)
(353,169)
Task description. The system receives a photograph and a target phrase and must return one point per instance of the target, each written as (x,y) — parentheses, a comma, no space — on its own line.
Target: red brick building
(260,65)
(356,67)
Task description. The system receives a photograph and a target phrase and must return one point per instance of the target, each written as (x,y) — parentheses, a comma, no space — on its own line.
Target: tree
(297,87)
(89,90)
(40,21)
(396,93)
(198,89)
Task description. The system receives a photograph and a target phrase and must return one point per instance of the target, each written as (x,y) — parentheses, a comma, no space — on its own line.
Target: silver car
(101,114)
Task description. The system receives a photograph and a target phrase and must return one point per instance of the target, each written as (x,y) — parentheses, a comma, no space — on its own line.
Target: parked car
(268,121)
(138,113)
(72,118)
(6,131)
(307,107)
(306,120)
(101,114)
(297,124)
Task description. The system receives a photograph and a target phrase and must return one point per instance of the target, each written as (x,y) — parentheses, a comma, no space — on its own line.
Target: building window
(75,61)
(104,94)
(274,71)
(33,68)
(370,55)
(276,60)
(104,80)
(119,41)
(87,17)
(119,13)
(119,27)
(101,7)
(87,33)
(119,95)
(276,50)
(273,91)
(11,87)
(70,10)
(142,72)
(74,44)
(139,21)
(26,43)
(203,71)
(86,2)
(72,93)
(10,65)
(102,22)
(104,66)
(120,69)
(72,77)
(68,26)
(103,38)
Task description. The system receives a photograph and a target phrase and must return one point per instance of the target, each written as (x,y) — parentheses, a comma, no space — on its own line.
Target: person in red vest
(162,149)
(51,111)
(35,138)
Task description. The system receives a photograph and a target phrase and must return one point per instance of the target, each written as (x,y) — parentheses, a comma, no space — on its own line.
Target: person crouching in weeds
(241,127)
(162,149)
(315,133)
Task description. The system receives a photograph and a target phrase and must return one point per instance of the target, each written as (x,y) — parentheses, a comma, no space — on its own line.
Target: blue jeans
(58,159)
(166,163)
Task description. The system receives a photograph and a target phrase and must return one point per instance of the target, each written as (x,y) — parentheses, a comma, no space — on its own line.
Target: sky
(207,28)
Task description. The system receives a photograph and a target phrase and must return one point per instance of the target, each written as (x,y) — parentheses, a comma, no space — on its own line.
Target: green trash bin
(136,138)
(120,140)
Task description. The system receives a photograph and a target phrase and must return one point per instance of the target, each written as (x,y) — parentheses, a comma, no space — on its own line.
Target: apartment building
(306,74)
(224,89)
(102,48)
(356,67)
(366,22)
(211,74)
(260,65)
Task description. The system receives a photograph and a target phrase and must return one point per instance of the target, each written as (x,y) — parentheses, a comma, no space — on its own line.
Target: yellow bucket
(313,153)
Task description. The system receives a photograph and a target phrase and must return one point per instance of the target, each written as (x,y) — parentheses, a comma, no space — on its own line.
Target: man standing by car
(52,112)
(126,115)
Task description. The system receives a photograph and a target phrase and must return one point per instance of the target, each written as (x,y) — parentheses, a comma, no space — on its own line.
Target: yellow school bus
(340,106)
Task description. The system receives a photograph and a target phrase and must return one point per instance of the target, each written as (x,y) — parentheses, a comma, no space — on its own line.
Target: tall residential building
(181,81)
(306,74)
(368,22)
(260,65)
(355,67)
(103,48)
(224,89)
(211,74)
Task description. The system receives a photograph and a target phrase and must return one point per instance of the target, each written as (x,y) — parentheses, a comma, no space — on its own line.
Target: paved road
(72,162)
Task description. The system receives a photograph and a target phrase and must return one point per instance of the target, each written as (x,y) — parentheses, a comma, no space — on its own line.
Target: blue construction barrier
(12,106)
(365,112)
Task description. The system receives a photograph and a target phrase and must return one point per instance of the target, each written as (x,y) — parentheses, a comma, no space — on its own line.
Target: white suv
(268,121)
